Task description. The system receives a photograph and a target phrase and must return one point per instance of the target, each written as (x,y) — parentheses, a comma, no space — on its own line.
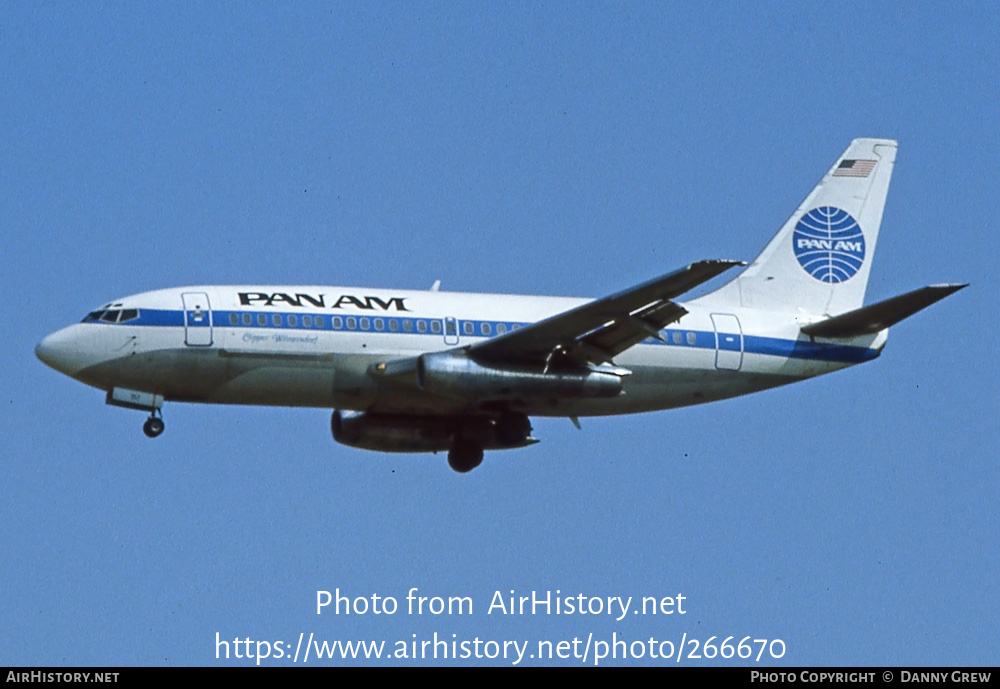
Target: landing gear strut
(153,426)
(465,455)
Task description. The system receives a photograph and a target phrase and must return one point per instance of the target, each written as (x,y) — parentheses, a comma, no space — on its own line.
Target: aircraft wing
(597,331)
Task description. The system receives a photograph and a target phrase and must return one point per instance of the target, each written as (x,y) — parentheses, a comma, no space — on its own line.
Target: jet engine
(428,433)
(453,374)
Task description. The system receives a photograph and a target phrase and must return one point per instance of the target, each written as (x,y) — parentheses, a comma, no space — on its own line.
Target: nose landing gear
(143,401)
(153,426)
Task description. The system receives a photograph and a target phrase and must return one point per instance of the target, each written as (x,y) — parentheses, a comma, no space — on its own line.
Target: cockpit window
(111,315)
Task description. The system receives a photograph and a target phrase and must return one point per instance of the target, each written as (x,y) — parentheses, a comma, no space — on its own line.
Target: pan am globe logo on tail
(829,244)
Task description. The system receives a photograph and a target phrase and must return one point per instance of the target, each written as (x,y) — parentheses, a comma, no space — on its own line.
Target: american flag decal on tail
(854,168)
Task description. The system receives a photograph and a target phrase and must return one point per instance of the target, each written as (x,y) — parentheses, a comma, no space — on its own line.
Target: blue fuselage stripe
(435,327)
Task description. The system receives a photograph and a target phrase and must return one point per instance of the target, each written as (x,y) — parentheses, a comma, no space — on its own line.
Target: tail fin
(820,259)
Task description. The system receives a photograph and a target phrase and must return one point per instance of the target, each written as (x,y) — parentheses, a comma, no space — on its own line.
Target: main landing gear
(465,455)
(153,426)
(510,429)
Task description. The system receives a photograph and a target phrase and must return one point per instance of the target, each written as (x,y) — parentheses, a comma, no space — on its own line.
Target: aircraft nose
(61,351)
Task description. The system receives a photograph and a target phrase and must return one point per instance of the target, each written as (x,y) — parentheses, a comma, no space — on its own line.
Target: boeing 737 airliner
(430,371)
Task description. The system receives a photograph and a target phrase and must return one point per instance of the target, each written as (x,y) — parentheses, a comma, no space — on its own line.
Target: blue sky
(564,149)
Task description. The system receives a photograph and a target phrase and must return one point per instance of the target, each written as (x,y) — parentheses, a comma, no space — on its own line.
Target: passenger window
(469,327)
(407,325)
(261,319)
(485,328)
(379,324)
(352,323)
(319,321)
(676,337)
(307,321)
(337,322)
(293,320)
(234,319)
(276,319)
(421,326)
(451,327)
(436,327)
(246,319)
(692,338)
(501,328)
(393,325)
(365,324)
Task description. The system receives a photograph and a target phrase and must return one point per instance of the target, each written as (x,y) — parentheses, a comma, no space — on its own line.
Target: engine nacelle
(427,433)
(453,374)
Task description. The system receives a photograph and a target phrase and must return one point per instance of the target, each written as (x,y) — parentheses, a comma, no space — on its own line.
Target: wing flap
(875,317)
(624,332)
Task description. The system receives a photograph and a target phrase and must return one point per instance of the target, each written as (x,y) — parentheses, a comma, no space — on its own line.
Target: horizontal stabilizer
(871,319)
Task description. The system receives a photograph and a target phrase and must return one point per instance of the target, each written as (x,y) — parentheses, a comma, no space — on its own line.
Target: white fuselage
(408,371)
(313,346)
